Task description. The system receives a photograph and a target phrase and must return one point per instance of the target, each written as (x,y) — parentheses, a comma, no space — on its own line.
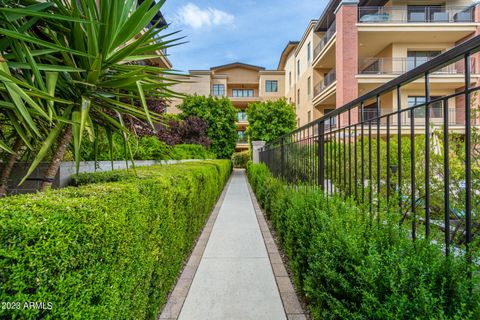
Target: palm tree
(83,56)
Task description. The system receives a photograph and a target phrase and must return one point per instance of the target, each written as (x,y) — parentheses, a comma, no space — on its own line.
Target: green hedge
(105,250)
(349,267)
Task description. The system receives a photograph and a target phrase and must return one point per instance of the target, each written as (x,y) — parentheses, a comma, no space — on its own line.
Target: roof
(237,64)
(291,45)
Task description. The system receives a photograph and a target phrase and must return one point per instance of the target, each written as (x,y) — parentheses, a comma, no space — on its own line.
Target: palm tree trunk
(56,159)
(7,169)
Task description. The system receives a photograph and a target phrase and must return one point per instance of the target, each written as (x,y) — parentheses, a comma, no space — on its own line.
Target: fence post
(320,154)
(282,157)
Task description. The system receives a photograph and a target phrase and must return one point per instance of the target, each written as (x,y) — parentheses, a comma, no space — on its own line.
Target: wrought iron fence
(422,168)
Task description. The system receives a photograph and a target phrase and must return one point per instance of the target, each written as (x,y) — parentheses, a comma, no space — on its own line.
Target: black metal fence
(415,160)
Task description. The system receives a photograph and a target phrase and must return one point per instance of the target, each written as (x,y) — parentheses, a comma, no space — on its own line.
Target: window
(290,78)
(309,86)
(416,58)
(298,69)
(242,92)
(309,116)
(271,86)
(308,52)
(436,109)
(298,96)
(218,90)
(298,122)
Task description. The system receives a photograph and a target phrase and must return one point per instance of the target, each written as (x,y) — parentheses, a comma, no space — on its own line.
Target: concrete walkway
(235,278)
(235,270)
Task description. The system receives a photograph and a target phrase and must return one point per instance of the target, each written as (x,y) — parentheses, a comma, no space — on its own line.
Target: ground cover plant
(105,250)
(350,267)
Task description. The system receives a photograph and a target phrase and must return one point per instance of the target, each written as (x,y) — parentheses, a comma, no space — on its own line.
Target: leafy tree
(220,115)
(70,67)
(269,120)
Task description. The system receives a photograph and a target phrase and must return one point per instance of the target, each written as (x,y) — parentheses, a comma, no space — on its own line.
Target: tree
(269,120)
(220,114)
(70,67)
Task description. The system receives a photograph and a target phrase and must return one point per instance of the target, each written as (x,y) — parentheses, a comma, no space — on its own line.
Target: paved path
(234,279)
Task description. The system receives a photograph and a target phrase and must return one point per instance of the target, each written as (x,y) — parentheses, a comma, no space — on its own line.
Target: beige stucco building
(355,46)
(241,83)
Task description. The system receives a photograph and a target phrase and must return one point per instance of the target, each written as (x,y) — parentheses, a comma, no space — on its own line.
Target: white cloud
(195,17)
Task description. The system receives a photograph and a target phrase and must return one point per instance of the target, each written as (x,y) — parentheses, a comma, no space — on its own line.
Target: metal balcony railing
(416,14)
(325,39)
(397,66)
(391,169)
(327,81)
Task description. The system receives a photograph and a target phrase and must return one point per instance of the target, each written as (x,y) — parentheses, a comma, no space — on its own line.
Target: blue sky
(225,31)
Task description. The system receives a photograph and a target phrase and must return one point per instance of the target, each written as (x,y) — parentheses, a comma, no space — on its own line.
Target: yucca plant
(81,60)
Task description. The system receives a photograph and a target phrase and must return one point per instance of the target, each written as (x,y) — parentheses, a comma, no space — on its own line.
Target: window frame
(270,85)
(215,87)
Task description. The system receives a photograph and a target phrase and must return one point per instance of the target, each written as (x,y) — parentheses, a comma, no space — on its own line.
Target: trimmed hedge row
(349,267)
(104,250)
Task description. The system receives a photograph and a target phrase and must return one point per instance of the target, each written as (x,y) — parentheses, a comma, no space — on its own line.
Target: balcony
(416,14)
(397,66)
(327,81)
(324,41)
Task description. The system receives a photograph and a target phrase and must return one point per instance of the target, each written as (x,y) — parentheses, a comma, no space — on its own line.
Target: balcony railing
(397,66)
(328,80)
(416,14)
(325,39)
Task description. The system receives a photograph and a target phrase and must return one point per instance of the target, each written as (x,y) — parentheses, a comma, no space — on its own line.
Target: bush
(106,250)
(240,159)
(191,151)
(350,267)
(143,148)
(192,130)
(221,115)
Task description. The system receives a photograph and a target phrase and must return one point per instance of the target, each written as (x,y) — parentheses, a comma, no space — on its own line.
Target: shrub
(220,114)
(191,151)
(240,159)
(192,130)
(270,119)
(105,250)
(350,267)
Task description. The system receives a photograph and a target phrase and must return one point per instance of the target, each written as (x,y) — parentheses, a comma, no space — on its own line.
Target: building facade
(356,46)
(241,83)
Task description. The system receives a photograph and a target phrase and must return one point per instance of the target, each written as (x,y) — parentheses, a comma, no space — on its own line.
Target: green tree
(70,67)
(220,115)
(269,120)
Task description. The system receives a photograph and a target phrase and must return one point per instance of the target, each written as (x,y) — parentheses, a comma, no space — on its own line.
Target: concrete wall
(66,171)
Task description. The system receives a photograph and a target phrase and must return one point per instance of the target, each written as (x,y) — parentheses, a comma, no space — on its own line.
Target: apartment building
(355,46)
(240,82)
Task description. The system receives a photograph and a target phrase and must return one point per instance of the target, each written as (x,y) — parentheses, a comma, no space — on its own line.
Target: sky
(225,31)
